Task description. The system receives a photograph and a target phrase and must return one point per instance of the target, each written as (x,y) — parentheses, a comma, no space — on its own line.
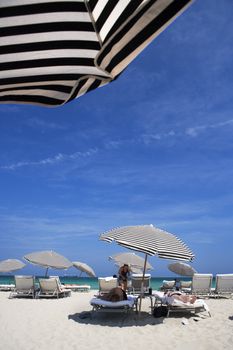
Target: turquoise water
(156,282)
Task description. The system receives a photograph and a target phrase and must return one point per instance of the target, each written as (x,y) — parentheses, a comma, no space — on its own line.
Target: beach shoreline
(68,323)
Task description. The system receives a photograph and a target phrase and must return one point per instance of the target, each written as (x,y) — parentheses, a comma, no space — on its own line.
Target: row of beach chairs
(157,298)
(25,286)
(201,285)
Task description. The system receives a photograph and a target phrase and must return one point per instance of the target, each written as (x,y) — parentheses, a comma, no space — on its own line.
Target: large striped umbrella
(52,51)
(149,240)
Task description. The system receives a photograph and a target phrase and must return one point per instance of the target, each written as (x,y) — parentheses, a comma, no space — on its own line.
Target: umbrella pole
(142,285)
(46,273)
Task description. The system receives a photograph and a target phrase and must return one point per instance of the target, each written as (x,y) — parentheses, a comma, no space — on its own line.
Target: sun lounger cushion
(116,304)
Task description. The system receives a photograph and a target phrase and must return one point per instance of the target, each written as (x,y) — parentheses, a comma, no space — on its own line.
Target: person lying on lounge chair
(115,294)
(179,296)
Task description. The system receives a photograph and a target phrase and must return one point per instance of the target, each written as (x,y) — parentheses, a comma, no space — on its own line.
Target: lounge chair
(168,285)
(106,284)
(51,288)
(136,282)
(6,287)
(201,284)
(174,305)
(24,287)
(78,287)
(117,306)
(184,285)
(224,285)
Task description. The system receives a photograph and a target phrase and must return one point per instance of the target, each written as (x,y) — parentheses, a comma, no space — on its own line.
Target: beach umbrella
(182,269)
(149,240)
(48,259)
(84,268)
(54,51)
(11,265)
(135,262)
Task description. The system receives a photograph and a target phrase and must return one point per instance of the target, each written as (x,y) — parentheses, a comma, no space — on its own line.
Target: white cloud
(195,131)
(37,122)
(60,157)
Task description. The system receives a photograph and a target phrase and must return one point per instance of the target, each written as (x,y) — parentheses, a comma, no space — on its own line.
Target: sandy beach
(67,323)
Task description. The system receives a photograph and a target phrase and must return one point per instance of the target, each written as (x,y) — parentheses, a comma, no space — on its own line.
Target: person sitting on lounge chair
(179,296)
(115,294)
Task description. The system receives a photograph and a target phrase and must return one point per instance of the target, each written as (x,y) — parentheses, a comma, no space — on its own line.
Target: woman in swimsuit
(182,297)
(123,274)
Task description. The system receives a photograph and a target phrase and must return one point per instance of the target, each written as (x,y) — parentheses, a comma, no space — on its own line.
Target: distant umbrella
(55,51)
(11,265)
(84,268)
(48,259)
(182,269)
(135,262)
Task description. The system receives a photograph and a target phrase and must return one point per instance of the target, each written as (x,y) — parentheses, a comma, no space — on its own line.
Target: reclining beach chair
(224,285)
(106,284)
(124,306)
(24,287)
(185,286)
(201,284)
(51,288)
(168,285)
(136,282)
(7,287)
(174,305)
(72,287)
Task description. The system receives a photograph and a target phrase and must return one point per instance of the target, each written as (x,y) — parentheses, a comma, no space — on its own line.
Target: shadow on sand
(115,319)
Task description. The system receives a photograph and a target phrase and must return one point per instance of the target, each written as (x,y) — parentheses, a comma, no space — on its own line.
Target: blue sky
(155,146)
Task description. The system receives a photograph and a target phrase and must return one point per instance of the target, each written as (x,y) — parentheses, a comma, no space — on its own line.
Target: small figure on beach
(177,284)
(123,274)
(179,296)
(115,294)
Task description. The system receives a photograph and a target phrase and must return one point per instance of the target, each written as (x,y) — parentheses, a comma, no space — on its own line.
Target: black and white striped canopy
(149,240)
(52,51)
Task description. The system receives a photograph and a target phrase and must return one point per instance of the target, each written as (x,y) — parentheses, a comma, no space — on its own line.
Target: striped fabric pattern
(149,240)
(52,51)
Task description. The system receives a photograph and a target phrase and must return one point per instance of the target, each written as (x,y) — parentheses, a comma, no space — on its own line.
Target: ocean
(156,282)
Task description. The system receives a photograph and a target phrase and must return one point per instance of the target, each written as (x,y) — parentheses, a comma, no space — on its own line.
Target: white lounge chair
(224,285)
(24,287)
(174,305)
(168,285)
(6,287)
(51,288)
(184,285)
(201,284)
(78,287)
(136,283)
(117,306)
(106,284)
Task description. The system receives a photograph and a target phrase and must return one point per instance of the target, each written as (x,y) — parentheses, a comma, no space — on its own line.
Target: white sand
(56,324)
